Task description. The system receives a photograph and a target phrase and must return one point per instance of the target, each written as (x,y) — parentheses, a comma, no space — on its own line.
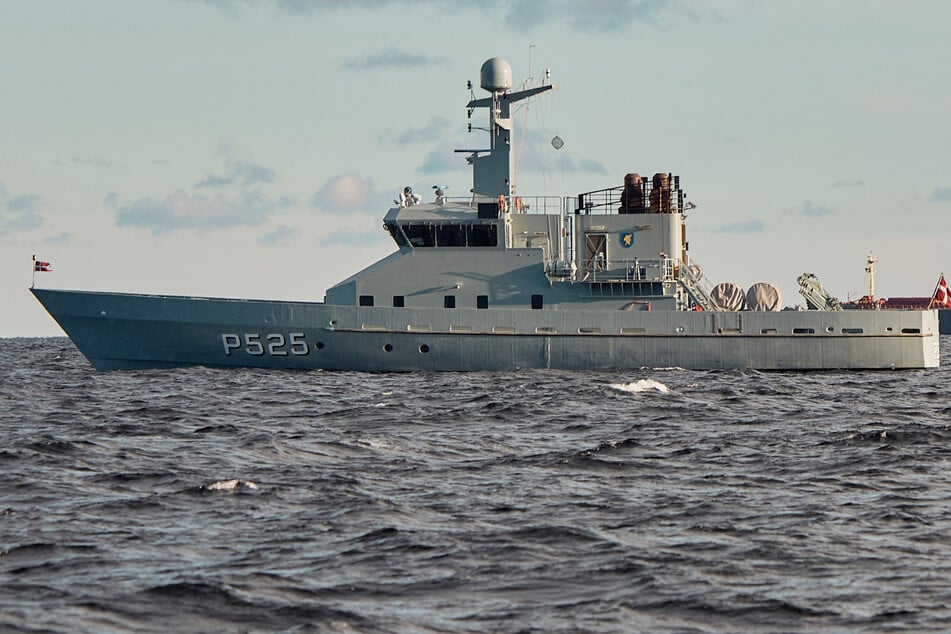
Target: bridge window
(450,235)
(482,301)
(483,235)
(420,235)
(399,301)
(366,300)
(449,301)
(445,235)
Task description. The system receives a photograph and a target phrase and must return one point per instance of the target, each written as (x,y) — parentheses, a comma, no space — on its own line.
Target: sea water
(208,500)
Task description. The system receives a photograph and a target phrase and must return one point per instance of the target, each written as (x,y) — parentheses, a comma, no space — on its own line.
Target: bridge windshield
(447,234)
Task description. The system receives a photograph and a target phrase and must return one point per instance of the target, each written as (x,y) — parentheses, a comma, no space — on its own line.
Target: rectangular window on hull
(366,300)
(537,302)
(482,301)
(398,301)
(449,301)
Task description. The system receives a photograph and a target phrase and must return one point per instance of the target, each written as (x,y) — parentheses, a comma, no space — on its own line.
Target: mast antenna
(870,269)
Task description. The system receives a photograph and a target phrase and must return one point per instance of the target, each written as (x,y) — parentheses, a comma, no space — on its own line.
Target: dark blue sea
(201,500)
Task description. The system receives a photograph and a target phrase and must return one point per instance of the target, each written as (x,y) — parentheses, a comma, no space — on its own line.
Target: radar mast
(492,168)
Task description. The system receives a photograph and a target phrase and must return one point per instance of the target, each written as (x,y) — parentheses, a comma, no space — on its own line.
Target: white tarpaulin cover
(763,296)
(728,296)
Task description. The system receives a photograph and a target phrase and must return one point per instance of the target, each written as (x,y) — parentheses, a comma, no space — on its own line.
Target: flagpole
(33,281)
(935,291)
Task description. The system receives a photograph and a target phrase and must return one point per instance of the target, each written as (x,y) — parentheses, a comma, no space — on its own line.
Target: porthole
(319,345)
(424,348)
(888,329)
(388,347)
(830,329)
(680,328)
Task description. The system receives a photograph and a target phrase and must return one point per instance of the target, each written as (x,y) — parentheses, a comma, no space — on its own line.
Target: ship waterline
(118,331)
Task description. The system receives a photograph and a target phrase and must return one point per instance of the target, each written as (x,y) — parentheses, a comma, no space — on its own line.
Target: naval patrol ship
(499,280)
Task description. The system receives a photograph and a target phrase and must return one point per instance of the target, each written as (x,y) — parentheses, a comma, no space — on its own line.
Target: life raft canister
(503,205)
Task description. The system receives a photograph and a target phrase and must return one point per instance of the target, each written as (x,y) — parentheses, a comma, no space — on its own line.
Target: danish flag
(941,297)
(39,265)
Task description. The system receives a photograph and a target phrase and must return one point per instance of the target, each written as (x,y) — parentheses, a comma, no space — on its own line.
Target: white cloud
(940,195)
(749,226)
(347,192)
(392,58)
(18,213)
(280,235)
(814,211)
(181,211)
(848,182)
(581,15)
(242,173)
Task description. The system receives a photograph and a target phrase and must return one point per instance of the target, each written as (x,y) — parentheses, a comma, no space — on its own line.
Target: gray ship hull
(117,331)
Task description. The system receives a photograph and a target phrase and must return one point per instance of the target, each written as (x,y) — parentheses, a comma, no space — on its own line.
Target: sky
(250,148)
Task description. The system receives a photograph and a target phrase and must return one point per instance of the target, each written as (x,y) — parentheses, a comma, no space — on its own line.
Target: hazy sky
(250,148)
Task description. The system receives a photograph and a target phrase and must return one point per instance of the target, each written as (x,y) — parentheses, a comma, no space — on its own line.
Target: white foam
(232,485)
(640,386)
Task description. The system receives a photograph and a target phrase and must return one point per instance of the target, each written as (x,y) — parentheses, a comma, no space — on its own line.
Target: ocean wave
(641,386)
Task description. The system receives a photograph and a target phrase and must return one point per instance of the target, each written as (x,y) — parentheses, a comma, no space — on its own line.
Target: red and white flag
(39,265)
(941,297)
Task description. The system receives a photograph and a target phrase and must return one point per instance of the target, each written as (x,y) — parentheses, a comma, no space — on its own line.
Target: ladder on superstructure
(698,287)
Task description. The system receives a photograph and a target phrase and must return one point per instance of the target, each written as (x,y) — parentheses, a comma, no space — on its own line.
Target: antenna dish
(496,75)
(557,143)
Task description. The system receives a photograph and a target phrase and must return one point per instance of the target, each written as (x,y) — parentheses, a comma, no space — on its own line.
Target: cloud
(280,235)
(848,182)
(347,192)
(444,158)
(433,131)
(111,200)
(940,195)
(392,58)
(242,173)
(596,16)
(179,211)
(749,226)
(18,213)
(568,164)
(88,161)
(297,7)
(814,211)
(522,15)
